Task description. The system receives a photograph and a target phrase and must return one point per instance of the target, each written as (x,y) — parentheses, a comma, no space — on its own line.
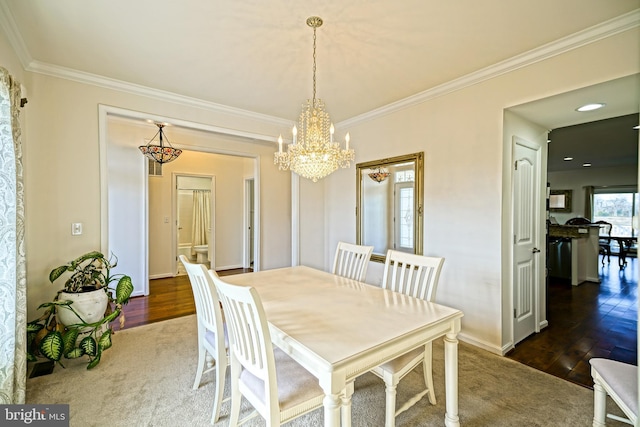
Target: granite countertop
(571,231)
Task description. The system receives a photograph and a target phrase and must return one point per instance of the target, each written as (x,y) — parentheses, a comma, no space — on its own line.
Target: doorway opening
(576,161)
(194,204)
(128,219)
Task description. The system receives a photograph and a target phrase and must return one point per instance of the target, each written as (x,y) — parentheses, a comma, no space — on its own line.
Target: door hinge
(515,316)
(515,165)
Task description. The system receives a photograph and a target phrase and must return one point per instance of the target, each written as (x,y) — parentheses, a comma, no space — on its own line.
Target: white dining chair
(212,341)
(351,261)
(618,380)
(416,276)
(277,387)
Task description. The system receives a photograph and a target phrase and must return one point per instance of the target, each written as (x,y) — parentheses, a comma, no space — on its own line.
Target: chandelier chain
(314,65)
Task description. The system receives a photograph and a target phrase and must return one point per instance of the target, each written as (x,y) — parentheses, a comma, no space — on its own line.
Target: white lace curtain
(13,289)
(201,223)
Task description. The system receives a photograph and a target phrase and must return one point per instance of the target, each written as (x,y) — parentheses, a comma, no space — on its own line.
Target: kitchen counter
(583,252)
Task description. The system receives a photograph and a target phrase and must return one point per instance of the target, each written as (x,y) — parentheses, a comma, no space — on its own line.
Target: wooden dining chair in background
(277,387)
(212,341)
(351,261)
(416,276)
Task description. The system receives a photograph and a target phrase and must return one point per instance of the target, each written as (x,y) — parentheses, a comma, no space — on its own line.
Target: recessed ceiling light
(590,107)
(586,165)
(566,159)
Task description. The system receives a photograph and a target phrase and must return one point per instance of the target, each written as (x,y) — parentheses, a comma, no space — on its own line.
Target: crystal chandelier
(313,154)
(160,153)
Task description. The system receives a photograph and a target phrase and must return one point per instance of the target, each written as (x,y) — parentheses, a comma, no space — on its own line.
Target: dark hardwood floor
(585,321)
(168,298)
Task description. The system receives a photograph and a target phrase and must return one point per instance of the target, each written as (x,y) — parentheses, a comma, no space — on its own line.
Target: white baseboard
(479,343)
(228,267)
(544,324)
(161,276)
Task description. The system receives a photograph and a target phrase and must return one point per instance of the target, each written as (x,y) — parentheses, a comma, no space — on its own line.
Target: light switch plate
(76,228)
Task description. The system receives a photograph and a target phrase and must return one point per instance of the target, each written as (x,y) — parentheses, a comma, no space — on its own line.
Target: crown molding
(590,35)
(119,85)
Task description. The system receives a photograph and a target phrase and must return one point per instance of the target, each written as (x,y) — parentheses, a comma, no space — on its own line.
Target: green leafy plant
(48,337)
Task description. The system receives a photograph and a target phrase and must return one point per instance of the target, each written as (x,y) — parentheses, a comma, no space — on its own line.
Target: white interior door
(526,220)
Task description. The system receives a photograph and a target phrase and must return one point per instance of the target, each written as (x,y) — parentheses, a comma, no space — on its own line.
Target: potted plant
(77,322)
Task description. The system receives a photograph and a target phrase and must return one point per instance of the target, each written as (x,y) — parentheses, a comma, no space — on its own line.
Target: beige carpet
(145,380)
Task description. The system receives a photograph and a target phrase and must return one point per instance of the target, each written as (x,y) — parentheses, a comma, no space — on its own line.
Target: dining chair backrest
(249,337)
(605,229)
(411,274)
(351,261)
(205,296)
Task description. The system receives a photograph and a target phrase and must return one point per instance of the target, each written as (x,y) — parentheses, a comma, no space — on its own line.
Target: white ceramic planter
(89,305)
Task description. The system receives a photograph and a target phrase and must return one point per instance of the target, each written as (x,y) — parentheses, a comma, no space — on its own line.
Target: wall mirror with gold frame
(389,203)
(560,200)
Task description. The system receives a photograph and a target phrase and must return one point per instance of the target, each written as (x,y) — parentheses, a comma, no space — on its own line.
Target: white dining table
(339,328)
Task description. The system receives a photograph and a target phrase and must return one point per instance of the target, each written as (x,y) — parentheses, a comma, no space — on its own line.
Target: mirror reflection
(389,204)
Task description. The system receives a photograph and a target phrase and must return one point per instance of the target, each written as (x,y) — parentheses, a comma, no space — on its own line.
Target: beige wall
(461,134)
(9,60)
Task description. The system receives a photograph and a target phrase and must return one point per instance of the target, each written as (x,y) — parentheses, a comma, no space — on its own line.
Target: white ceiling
(256,55)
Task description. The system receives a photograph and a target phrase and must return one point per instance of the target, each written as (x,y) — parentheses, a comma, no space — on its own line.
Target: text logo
(34,415)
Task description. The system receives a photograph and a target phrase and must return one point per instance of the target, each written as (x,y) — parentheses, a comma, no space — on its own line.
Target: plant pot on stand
(77,322)
(86,307)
